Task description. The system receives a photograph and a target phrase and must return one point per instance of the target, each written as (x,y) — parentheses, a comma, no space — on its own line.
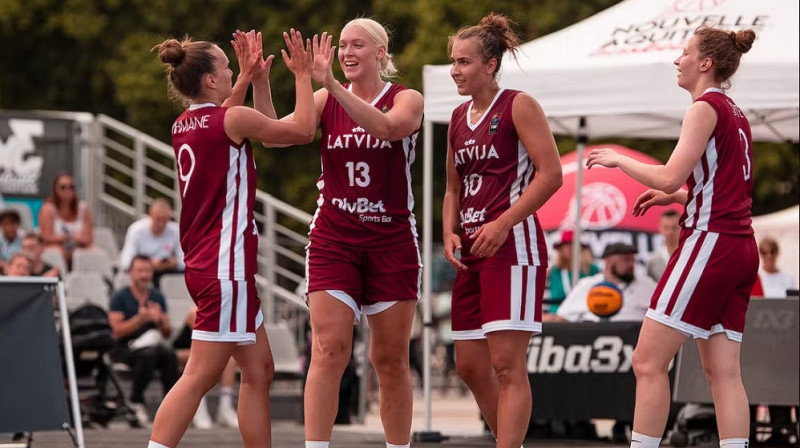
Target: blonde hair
(377,33)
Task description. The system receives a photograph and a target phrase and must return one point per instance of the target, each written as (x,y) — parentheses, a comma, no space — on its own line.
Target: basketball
(604,299)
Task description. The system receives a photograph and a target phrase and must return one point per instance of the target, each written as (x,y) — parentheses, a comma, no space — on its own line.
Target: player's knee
(721,374)
(388,363)
(508,371)
(330,352)
(259,373)
(471,372)
(645,365)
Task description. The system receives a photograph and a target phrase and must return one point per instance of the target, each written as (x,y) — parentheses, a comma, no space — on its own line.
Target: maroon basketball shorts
(495,299)
(706,287)
(227,310)
(367,281)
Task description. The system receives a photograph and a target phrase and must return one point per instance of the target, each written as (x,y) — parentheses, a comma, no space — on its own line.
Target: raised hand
(263,67)
(248,56)
(650,198)
(298,59)
(324,53)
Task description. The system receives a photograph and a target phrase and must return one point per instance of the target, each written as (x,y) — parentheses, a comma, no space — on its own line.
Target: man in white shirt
(620,261)
(157,237)
(670,229)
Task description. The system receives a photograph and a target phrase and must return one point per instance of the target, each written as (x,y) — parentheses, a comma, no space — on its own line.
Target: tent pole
(427,311)
(576,246)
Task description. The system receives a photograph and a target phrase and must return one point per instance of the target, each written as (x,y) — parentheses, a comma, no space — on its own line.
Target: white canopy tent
(611,75)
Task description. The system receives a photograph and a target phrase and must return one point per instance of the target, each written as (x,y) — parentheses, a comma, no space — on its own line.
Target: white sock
(152,444)
(734,443)
(226,397)
(643,441)
(317,444)
(389,445)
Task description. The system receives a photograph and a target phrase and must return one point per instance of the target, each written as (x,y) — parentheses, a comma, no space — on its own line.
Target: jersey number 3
(747,168)
(358,173)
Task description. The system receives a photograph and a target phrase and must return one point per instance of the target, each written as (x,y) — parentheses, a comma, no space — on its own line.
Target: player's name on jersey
(190,124)
(476,152)
(357,140)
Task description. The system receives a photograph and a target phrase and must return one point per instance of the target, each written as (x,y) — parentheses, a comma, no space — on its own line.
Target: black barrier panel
(32,392)
(769,357)
(580,371)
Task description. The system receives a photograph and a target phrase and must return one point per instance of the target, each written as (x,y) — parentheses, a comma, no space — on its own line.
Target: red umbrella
(607,199)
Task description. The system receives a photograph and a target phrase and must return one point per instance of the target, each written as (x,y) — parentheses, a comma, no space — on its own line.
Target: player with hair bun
(705,289)
(217,184)
(502,165)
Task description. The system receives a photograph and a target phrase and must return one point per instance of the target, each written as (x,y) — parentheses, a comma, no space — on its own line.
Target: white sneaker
(226,416)
(202,419)
(140,411)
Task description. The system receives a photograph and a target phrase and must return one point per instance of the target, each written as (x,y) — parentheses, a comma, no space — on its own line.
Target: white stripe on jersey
(708,189)
(226,306)
(226,233)
(683,259)
(530,302)
(699,180)
(695,272)
(516,293)
(409,144)
(241,307)
(524,172)
(241,218)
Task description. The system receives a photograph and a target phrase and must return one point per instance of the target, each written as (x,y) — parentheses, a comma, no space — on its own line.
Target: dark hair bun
(496,22)
(743,39)
(171,52)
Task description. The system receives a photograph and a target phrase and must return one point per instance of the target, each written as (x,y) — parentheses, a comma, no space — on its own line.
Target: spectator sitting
(774,281)
(669,228)
(620,261)
(560,276)
(140,324)
(158,238)
(10,235)
(19,265)
(65,222)
(226,413)
(33,246)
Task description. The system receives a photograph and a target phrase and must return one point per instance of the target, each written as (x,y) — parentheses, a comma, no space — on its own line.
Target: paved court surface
(285,435)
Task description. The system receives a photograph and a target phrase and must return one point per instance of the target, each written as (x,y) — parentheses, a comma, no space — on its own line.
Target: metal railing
(128,169)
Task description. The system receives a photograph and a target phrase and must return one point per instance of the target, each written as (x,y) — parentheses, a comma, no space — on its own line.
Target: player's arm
(698,125)
(450,212)
(401,121)
(320,98)
(248,58)
(534,133)
(404,118)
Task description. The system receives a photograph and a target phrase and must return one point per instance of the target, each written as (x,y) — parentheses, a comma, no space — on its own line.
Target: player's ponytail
(186,62)
(724,48)
(494,35)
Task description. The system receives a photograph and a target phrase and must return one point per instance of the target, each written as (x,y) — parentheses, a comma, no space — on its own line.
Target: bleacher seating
(178,299)
(285,354)
(85,287)
(104,239)
(93,260)
(54,257)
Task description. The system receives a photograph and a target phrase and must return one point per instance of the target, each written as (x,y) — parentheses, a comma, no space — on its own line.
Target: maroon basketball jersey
(217,181)
(365,198)
(721,185)
(494,169)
